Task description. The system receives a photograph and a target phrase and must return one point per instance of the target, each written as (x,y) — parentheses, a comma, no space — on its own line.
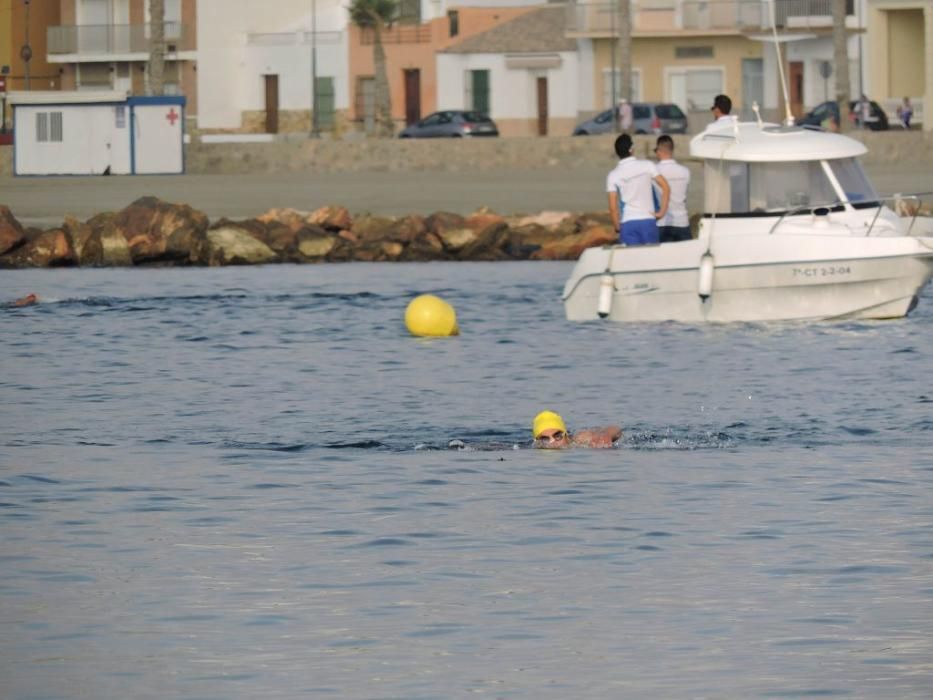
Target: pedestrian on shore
(675,224)
(631,196)
(625,115)
(550,433)
(905,111)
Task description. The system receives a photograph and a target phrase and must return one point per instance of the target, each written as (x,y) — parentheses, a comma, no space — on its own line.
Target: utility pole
(315,119)
(26,52)
(625,47)
(157,47)
(613,8)
(841,59)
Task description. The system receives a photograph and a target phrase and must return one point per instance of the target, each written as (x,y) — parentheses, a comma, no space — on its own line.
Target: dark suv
(647,118)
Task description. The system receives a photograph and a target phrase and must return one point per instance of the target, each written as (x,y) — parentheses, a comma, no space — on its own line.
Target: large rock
(331,218)
(231,245)
(441,221)
(11,232)
(290,218)
(160,232)
(79,233)
(489,244)
(106,246)
(315,243)
(426,246)
(369,228)
(42,249)
(570,247)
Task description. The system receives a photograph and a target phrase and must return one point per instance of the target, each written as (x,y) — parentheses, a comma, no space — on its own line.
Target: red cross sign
(172,116)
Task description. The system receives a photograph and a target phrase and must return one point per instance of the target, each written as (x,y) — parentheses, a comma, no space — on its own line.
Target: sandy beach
(44,202)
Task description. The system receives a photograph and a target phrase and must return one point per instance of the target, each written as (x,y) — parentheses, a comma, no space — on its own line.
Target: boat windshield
(767,187)
(853,180)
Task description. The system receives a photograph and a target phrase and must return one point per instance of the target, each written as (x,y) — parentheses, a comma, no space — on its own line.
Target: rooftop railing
(104,39)
(600,17)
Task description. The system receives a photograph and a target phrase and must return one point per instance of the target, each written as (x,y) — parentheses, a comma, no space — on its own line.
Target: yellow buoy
(431,315)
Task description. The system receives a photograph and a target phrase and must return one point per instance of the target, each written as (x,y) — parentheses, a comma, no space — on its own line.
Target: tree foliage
(376,15)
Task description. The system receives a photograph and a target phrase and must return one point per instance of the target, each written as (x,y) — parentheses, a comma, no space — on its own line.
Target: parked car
(451,123)
(877,121)
(647,118)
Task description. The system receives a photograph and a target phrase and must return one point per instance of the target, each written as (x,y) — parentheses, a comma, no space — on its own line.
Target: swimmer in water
(27,300)
(551,433)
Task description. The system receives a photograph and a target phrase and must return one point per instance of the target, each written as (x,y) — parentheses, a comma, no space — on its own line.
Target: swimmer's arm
(597,437)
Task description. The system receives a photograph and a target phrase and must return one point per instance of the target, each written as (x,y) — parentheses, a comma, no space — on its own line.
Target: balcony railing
(600,17)
(108,39)
(399,34)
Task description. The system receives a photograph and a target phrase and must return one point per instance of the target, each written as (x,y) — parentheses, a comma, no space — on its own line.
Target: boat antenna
(757,110)
(788,117)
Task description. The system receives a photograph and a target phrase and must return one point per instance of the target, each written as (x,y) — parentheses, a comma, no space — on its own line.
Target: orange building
(411,62)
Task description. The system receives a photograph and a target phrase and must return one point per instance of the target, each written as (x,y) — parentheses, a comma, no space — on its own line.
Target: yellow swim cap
(547,420)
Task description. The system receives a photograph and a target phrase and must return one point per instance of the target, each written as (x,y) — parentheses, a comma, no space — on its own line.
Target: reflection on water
(240,483)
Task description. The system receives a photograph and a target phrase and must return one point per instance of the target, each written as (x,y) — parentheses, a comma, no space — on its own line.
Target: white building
(97,133)
(255,64)
(523,73)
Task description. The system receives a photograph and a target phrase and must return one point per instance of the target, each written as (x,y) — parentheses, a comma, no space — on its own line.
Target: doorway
(412,95)
(272,104)
(542,106)
(795,78)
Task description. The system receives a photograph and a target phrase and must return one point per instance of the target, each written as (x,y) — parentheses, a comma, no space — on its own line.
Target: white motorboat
(793,230)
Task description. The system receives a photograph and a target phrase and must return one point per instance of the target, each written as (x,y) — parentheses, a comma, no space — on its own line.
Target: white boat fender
(705,282)
(606,288)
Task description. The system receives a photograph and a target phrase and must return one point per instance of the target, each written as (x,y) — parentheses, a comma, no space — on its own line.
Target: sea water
(251,482)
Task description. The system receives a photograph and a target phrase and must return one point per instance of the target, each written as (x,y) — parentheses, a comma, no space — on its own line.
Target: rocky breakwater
(152,232)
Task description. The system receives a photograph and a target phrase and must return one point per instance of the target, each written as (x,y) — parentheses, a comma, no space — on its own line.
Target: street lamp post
(315,121)
(26,52)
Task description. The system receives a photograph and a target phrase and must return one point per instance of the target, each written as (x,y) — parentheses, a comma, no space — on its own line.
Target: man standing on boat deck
(721,108)
(631,197)
(673,226)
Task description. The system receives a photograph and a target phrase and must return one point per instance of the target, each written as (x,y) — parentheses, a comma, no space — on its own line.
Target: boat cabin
(753,169)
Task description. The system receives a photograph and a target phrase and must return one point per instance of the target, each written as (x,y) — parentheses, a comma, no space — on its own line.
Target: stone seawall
(446,155)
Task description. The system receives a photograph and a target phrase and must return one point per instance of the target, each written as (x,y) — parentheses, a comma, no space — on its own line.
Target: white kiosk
(97,133)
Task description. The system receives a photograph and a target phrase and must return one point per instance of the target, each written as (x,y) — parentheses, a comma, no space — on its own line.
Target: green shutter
(325,102)
(481,91)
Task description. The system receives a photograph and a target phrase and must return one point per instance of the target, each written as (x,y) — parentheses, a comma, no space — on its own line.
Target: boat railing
(899,199)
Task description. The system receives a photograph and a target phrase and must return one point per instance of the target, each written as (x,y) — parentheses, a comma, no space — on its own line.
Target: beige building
(687,51)
(900,46)
(105,44)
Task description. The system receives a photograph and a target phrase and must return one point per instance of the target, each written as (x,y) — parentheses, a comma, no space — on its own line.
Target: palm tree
(841,59)
(157,47)
(376,16)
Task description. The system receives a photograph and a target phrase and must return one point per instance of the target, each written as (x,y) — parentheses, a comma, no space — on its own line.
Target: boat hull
(839,278)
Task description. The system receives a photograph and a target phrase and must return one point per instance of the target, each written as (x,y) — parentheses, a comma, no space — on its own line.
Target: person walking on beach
(674,225)
(550,433)
(631,197)
(905,111)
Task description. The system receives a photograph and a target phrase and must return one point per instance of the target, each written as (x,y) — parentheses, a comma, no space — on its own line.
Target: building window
(56,127)
(476,95)
(42,127)
(409,11)
(48,127)
(453,22)
(693,52)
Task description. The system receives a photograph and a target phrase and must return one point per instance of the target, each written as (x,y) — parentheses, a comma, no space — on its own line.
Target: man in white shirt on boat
(675,225)
(722,106)
(631,196)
